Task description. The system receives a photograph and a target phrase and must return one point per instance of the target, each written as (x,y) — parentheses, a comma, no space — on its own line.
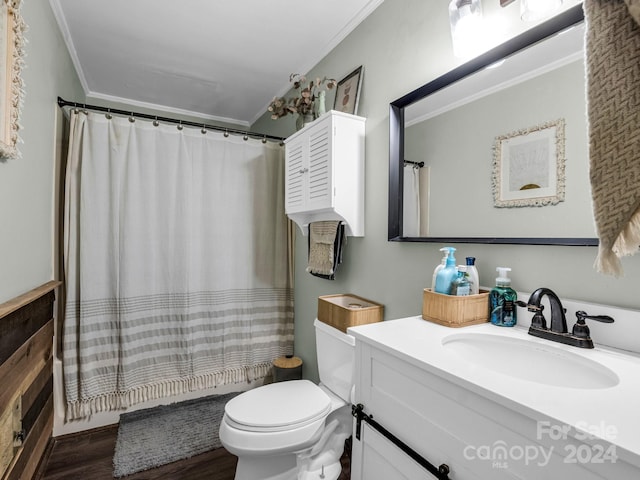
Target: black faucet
(558,332)
(558,319)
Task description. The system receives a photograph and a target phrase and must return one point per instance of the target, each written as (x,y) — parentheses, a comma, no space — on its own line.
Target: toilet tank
(336,358)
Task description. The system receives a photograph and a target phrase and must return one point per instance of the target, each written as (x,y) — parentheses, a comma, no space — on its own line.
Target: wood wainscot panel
(26,379)
(10,422)
(28,456)
(23,316)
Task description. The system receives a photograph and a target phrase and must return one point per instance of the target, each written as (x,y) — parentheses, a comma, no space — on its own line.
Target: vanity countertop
(593,414)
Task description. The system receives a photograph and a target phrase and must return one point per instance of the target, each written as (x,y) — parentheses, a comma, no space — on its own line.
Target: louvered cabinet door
(296,172)
(325,172)
(308,155)
(319,174)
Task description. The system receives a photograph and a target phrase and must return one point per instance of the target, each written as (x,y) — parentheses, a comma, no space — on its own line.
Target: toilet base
(283,467)
(278,467)
(328,472)
(323,459)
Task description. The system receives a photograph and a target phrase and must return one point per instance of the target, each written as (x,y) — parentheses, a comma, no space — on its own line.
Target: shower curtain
(411,202)
(177,257)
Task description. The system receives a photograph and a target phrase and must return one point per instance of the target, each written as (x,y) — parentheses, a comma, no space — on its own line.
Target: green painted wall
(402,45)
(27,184)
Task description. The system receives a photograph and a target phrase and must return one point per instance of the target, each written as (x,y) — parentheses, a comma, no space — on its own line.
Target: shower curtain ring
(108,114)
(180,127)
(156,122)
(246,137)
(226,133)
(132,119)
(204,130)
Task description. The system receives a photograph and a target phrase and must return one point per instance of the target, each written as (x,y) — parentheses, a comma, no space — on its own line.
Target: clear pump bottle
(461,285)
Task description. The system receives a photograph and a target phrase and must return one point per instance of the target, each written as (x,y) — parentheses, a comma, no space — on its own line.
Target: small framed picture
(348,92)
(529,166)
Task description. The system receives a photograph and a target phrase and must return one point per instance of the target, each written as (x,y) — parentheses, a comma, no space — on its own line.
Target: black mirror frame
(566,19)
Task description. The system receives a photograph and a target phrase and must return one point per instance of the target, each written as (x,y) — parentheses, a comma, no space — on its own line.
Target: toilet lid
(278,406)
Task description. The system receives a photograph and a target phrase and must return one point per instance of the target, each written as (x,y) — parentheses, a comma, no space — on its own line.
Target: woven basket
(347,310)
(452,311)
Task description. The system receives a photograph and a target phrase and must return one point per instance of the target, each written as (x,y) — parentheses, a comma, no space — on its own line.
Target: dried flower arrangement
(303,103)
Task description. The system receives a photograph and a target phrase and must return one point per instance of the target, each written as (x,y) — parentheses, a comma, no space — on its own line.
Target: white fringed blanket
(613,95)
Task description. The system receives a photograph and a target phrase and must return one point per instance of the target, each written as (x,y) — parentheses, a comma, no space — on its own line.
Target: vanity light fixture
(465,18)
(531,10)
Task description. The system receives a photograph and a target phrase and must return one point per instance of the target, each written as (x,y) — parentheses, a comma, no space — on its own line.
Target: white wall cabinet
(325,172)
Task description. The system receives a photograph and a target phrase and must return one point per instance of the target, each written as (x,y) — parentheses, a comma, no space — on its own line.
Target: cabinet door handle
(441,472)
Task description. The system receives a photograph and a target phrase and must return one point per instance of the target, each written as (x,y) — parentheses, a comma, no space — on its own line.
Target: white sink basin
(530,361)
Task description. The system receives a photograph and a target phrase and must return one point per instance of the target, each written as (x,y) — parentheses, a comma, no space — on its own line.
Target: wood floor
(89,455)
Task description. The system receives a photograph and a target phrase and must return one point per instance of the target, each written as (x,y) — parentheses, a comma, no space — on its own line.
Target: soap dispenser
(440,266)
(502,300)
(448,274)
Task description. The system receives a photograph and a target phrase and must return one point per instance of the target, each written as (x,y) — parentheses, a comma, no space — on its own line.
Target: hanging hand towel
(325,248)
(634,9)
(613,96)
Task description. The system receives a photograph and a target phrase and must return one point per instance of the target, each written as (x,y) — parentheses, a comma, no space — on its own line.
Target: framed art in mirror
(12,28)
(529,166)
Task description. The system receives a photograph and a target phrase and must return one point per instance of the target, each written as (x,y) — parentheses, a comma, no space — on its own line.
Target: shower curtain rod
(415,164)
(64,103)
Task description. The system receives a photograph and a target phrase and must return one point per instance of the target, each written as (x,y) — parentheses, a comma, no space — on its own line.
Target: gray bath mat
(167,433)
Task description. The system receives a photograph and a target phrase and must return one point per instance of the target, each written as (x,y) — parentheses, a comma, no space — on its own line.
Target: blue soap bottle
(447,275)
(443,262)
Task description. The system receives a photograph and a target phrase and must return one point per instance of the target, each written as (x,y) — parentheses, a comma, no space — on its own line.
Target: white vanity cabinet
(445,419)
(325,172)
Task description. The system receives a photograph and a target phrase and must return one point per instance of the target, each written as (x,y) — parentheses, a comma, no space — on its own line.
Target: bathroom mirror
(445,145)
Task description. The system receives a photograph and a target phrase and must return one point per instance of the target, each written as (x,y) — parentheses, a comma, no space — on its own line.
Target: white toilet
(295,429)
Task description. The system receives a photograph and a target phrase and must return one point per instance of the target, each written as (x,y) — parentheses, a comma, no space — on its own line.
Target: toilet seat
(278,407)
